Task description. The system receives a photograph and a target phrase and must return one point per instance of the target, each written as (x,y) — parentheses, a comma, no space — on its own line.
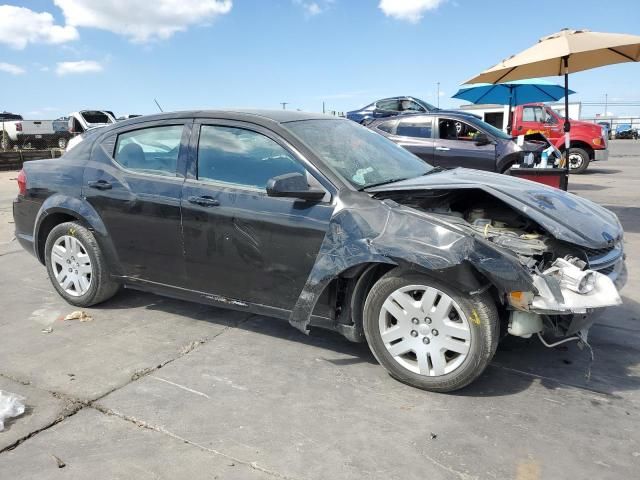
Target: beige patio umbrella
(561,53)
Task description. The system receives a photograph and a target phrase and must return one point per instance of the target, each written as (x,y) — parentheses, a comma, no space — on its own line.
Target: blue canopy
(513,93)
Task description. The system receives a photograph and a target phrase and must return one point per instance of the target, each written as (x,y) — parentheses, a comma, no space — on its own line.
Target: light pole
(284,105)
(606,101)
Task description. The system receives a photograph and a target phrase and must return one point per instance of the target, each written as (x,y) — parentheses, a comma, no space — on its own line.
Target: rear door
(132,183)
(240,243)
(455,146)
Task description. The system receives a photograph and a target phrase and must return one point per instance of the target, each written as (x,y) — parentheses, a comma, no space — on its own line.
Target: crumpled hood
(565,216)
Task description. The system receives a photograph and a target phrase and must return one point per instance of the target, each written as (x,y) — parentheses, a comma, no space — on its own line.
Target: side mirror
(293,185)
(482,139)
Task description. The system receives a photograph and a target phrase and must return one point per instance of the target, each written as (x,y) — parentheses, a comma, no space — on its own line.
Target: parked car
(588,141)
(81,121)
(606,129)
(322,222)
(390,107)
(22,133)
(626,131)
(451,140)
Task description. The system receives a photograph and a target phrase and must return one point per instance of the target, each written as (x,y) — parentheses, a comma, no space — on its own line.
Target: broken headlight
(571,275)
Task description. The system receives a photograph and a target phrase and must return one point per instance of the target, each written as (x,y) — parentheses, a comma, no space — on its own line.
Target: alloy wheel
(575,161)
(71,265)
(424,330)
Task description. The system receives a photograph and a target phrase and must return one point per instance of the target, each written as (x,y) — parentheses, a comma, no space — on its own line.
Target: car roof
(439,113)
(252,115)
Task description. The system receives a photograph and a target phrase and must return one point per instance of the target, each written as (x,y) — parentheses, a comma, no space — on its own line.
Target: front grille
(598,252)
(607,270)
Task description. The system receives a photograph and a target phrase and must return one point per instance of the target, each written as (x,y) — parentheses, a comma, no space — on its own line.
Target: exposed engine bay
(564,290)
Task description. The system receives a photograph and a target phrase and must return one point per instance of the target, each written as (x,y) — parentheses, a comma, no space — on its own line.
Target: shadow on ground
(517,363)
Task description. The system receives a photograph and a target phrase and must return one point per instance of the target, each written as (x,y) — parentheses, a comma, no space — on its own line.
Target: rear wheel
(76,267)
(428,334)
(578,160)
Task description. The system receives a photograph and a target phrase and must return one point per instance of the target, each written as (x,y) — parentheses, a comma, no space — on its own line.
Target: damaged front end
(568,282)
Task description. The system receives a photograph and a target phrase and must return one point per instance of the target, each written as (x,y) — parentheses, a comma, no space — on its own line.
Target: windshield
(360,156)
(427,105)
(488,128)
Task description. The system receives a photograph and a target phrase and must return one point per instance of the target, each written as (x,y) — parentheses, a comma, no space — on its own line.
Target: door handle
(443,149)
(204,201)
(99,184)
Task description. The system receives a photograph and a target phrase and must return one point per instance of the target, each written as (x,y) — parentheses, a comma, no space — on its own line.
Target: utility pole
(438,95)
(323,110)
(606,101)
(284,105)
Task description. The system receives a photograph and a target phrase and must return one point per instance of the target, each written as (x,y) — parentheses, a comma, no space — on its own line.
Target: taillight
(18,127)
(22,183)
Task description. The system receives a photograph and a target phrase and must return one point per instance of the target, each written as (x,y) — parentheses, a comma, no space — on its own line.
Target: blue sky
(121,54)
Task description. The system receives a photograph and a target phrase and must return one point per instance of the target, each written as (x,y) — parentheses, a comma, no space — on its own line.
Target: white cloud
(142,20)
(11,68)
(313,8)
(81,66)
(20,26)
(409,10)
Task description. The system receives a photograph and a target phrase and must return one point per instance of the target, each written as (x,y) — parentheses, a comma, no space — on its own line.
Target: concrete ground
(158,388)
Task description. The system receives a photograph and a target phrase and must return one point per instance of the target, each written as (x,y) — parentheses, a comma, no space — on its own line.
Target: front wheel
(76,266)
(578,160)
(62,143)
(428,334)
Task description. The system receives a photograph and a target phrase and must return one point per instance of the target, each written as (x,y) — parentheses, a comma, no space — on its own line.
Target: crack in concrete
(74,405)
(164,431)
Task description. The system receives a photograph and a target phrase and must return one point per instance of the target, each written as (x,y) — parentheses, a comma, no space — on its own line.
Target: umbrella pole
(567,123)
(510,119)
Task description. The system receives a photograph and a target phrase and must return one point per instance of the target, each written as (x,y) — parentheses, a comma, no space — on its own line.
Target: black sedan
(324,223)
(449,140)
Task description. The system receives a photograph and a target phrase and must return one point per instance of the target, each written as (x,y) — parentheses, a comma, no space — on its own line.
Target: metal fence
(614,122)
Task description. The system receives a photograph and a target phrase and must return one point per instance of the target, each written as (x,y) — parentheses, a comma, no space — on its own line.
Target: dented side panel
(372,231)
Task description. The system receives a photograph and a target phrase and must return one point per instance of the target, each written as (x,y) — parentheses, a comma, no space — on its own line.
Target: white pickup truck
(19,133)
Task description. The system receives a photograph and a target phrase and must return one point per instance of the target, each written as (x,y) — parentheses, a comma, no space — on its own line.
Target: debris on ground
(433,436)
(59,461)
(79,315)
(11,405)
(46,330)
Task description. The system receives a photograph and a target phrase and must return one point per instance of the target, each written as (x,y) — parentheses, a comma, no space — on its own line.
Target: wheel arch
(355,282)
(580,144)
(58,209)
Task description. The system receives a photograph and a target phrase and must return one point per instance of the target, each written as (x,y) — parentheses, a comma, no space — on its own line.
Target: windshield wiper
(434,170)
(386,182)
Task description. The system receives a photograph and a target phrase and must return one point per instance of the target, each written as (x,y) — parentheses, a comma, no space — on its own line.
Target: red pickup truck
(588,143)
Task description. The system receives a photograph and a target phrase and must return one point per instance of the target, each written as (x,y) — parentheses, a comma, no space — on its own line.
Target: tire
(62,143)
(584,163)
(475,317)
(76,253)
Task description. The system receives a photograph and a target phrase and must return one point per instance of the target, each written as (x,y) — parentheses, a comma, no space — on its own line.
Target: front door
(240,243)
(455,146)
(132,183)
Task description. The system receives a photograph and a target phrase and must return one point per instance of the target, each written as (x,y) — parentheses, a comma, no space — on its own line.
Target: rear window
(95,117)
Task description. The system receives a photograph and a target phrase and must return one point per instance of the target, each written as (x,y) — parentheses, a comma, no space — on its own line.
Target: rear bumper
(601,155)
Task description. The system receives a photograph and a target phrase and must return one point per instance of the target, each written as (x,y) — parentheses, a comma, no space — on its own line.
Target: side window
(388,105)
(150,150)
(387,126)
(456,130)
(242,157)
(532,114)
(414,127)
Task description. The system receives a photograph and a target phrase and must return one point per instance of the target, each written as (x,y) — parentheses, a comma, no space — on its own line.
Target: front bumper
(601,155)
